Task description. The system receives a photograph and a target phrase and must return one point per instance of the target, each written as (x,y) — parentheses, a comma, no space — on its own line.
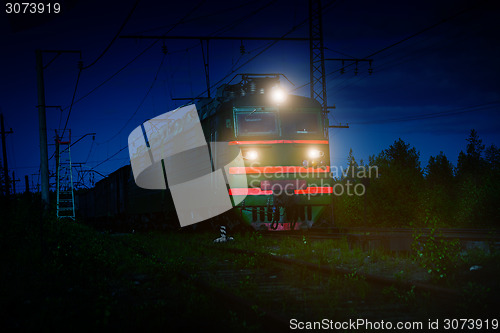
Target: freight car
(117,203)
(283,140)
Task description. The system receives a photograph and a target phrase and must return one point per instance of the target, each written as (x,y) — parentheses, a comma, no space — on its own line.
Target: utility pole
(42,122)
(27,181)
(14,180)
(4,152)
(42,128)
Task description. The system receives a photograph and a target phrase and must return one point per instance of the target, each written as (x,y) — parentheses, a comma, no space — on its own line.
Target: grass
(479,289)
(73,275)
(67,275)
(341,292)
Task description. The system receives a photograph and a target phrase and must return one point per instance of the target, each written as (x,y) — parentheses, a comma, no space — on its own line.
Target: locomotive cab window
(256,123)
(295,122)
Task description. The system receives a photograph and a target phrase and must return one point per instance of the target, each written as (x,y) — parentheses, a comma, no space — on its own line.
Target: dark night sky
(422,90)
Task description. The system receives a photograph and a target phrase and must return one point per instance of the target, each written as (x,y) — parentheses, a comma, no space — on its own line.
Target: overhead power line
(119,151)
(428,28)
(452,112)
(275,40)
(447,19)
(234,70)
(137,56)
(73,98)
(81,67)
(142,101)
(115,37)
(150,46)
(409,56)
(225,28)
(198,18)
(113,75)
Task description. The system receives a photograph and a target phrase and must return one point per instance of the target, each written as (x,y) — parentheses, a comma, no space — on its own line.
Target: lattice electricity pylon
(64,180)
(317,60)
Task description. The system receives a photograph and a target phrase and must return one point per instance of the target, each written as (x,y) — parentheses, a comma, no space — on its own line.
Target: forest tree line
(406,194)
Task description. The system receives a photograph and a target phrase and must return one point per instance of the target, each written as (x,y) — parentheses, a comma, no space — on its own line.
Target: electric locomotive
(283,139)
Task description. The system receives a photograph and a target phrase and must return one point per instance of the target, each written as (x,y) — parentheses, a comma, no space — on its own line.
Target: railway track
(333,233)
(398,239)
(268,291)
(447,293)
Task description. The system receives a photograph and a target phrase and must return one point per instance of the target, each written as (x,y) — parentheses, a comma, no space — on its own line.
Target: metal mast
(4,153)
(317,60)
(64,179)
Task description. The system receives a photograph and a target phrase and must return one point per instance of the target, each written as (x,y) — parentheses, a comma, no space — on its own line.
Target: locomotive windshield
(300,122)
(256,123)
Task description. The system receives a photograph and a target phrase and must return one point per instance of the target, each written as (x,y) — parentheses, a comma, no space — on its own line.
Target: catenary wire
(115,37)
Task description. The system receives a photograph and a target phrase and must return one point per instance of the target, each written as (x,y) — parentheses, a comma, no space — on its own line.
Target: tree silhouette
(400,155)
(439,195)
(478,183)
(492,157)
(471,162)
(394,196)
(439,170)
(405,195)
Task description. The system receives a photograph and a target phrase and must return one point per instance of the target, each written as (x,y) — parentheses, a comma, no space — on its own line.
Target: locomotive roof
(263,100)
(209,106)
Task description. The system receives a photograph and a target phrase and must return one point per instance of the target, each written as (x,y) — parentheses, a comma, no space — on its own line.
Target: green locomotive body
(285,149)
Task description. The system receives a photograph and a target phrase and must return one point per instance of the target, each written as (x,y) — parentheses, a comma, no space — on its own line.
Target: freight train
(283,139)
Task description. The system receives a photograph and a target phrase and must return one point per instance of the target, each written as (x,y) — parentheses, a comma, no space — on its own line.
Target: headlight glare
(314,153)
(251,155)
(278,95)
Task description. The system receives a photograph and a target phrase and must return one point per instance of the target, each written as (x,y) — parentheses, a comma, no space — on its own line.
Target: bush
(433,253)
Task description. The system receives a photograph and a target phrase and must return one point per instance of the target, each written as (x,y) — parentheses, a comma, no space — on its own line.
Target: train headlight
(278,95)
(251,155)
(314,153)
